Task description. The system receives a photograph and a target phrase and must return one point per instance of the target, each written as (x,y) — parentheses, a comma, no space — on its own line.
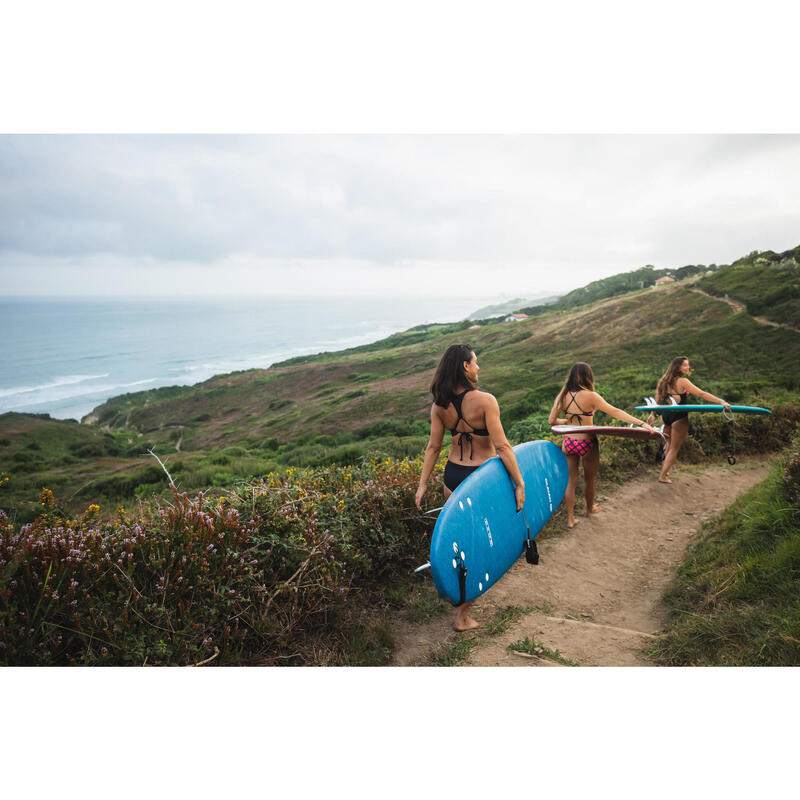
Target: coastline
(86,351)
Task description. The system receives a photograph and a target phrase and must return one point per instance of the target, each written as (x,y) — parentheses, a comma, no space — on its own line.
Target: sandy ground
(596,590)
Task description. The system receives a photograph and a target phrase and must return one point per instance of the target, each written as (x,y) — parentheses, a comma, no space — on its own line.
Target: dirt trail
(740,307)
(596,592)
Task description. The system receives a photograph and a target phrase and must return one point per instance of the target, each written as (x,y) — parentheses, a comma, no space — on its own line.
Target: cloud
(544,211)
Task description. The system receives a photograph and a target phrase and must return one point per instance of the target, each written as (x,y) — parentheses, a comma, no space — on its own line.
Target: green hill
(767,283)
(335,408)
(616,285)
(303,531)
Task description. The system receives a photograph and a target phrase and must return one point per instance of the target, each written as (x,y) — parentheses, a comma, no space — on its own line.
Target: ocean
(65,356)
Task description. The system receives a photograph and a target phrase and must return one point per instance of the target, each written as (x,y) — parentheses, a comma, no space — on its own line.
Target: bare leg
(678,434)
(463,621)
(572,485)
(667,440)
(591,466)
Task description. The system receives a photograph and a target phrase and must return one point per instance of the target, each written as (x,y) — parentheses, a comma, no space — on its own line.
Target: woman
(675,384)
(473,419)
(578,401)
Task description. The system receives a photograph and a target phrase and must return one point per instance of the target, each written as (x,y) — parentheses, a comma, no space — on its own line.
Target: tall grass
(736,599)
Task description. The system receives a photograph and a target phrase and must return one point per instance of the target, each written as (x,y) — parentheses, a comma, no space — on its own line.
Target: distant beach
(65,356)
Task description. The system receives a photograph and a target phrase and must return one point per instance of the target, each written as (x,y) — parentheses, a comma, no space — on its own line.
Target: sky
(483,217)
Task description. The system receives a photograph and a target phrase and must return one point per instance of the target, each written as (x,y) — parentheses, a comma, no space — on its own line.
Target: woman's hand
(651,418)
(646,425)
(519,494)
(726,405)
(418,497)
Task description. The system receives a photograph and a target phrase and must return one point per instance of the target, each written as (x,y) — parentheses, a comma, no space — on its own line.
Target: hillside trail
(595,595)
(740,307)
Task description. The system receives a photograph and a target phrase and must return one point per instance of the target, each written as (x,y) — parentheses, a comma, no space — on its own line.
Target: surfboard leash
(730,417)
(531,551)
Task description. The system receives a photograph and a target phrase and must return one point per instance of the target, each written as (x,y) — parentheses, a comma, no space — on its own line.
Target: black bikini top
(457,400)
(576,416)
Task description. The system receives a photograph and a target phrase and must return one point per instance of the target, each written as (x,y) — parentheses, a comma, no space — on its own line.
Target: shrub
(256,574)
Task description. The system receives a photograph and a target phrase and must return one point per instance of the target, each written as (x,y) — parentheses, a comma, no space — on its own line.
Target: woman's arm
(504,451)
(554,419)
(617,413)
(687,385)
(431,454)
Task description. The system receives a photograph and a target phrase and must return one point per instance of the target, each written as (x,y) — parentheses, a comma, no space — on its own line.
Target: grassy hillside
(767,283)
(616,285)
(735,601)
(335,408)
(260,566)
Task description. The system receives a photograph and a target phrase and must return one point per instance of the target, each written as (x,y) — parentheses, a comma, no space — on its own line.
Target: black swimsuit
(455,473)
(672,416)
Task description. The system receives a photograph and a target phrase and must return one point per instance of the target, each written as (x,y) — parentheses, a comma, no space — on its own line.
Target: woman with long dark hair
(578,401)
(473,419)
(675,386)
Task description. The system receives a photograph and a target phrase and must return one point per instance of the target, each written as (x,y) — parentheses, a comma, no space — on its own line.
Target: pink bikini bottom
(577,447)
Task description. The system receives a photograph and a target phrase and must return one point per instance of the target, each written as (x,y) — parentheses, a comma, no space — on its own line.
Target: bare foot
(664,480)
(573,523)
(595,509)
(466,624)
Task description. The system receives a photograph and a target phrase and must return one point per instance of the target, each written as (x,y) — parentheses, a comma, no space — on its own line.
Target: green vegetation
(505,618)
(767,283)
(533,648)
(278,571)
(373,401)
(735,601)
(300,427)
(616,285)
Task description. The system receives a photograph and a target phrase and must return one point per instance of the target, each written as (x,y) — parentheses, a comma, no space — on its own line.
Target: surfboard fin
(425,566)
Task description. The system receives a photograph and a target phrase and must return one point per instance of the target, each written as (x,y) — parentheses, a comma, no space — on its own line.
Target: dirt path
(739,307)
(596,593)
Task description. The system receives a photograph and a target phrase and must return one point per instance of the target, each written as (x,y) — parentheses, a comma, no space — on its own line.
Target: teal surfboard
(479,534)
(705,407)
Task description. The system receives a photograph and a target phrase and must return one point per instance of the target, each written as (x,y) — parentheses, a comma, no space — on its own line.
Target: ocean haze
(64,357)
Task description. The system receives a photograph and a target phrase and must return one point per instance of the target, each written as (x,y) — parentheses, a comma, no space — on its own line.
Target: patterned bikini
(577,447)
(455,473)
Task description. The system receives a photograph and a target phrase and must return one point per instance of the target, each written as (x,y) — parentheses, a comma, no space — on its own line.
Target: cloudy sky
(483,217)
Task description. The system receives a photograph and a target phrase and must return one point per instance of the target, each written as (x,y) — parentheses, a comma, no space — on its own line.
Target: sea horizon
(66,355)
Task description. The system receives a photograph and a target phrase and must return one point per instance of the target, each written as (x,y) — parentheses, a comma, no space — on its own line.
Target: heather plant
(240,578)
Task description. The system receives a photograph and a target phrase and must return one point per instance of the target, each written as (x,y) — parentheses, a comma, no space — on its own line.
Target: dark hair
(667,380)
(450,374)
(580,377)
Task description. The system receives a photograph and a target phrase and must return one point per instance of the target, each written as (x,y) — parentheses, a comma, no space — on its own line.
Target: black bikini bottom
(456,473)
(673,416)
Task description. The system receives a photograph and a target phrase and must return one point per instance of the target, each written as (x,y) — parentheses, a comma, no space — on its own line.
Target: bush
(265,570)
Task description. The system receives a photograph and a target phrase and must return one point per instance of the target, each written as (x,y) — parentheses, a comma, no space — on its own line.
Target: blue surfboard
(704,407)
(479,534)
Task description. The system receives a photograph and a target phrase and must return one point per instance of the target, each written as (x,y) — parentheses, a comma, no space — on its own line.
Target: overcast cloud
(480,217)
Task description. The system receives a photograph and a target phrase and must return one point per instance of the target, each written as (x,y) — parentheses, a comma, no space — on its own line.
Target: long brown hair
(580,377)
(667,380)
(450,374)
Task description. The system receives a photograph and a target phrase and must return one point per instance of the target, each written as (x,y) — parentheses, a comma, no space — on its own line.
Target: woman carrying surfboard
(578,401)
(473,419)
(675,385)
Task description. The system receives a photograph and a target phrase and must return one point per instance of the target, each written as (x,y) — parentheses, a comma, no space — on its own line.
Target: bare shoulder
(486,399)
(594,398)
